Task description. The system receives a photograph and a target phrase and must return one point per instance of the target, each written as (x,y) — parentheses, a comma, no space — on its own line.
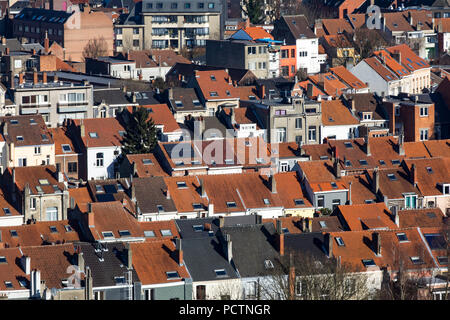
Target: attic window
(266,201)
(348,163)
(93,134)
(6,211)
(220,273)
(348,145)
(53,229)
(340,242)
(43,182)
(19,138)
(196,103)
(198,227)
(231,204)
(121,133)
(228,92)
(181,185)
(66,148)
(323,158)
(323,224)
(8,285)
(213,94)
(172,275)
(32,121)
(68,228)
(119,187)
(334,185)
(124,233)
(382,162)
(108,234)
(166,232)
(443,260)
(160,208)
(98,188)
(149,234)
(395,162)
(429,170)
(416,260)
(3,259)
(13,233)
(44,137)
(431,215)
(179,104)
(363,162)
(392,177)
(119,280)
(39,189)
(299,202)
(197,206)
(229,161)
(13,121)
(368,201)
(368,263)
(213,77)
(268,264)
(402,237)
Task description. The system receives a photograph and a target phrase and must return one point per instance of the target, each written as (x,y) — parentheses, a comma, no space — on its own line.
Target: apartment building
(164,25)
(54,100)
(72,30)
(292,119)
(27,142)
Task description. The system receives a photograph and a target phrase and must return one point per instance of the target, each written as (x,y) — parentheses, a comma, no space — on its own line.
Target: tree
(95,48)
(140,135)
(367,41)
(159,83)
(254,9)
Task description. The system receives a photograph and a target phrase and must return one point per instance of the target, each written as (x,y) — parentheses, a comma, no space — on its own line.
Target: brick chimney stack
(44,77)
(46,43)
(280,237)
(35,77)
(21,78)
(179,251)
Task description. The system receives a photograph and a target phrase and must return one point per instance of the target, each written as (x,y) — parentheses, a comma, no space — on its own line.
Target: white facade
(341,132)
(102,169)
(307,51)
(11,221)
(375,82)
(274,64)
(123,70)
(216,288)
(249,130)
(152,73)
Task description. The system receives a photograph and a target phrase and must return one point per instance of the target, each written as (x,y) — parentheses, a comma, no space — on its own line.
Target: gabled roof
(186,96)
(381,69)
(301,87)
(161,116)
(145,168)
(336,26)
(31,128)
(409,59)
(348,78)
(335,113)
(396,22)
(366,102)
(35,176)
(217,81)
(152,260)
(430,174)
(298,26)
(107,130)
(290,189)
(423,218)
(329,83)
(11,271)
(396,189)
(184,198)
(151,192)
(360,217)
(60,137)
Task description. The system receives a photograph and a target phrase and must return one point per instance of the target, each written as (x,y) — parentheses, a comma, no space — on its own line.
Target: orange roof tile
(257,33)
(367,216)
(146,170)
(348,78)
(221,85)
(82,197)
(429,174)
(289,189)
(60,137)
(335,113)
(107,129)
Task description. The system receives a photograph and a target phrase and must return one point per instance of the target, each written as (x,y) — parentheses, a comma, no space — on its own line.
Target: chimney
(124,89)
(221,221)
(353,106)
(44,77)
(5,128)
(88,284)
(6,51)
(291,280)
(273,184)
(229,248)
(280,238)
(262,91)
(397,55)
(35,77)
(376,239)
(82,129)
(129,256)
(202,189)
(140,76)
(3,40)
(170,93)
(410,18)
(337,170)
(309,89)
(133,192)
(395,216)
(90,213)
(80,261)
(309,224)
(247,23)
(167,193)
(328,239)
(55,78)
(35,283)
(179,251)
(414,175)
(72,203)
(21,78)
(33,52)
(134,97)
(367,145)
(25,263)
(210,210)
(46,43)
(401,146)
(375,181)
(350,193)
(304,220)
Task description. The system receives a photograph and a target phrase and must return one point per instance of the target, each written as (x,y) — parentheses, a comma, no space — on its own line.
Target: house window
(250,290)
(231,204)
(99,159)
(320,201)
(402,237)
(423,134)
(446,189)
(201,292)
(281,134)
(424,111)
(312,133)
(410,201)
(335,203)
(72,167)
(33,203)
(284,166)
(51,214)
(298,123)
(166,233)
(135,44)
(99,295)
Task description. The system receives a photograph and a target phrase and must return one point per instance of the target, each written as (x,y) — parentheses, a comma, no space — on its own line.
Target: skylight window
(93,135)
(124,233)
(382,162)
(120,188)
(8,285)
(3,259)
(395,162)
(149,234)
(179,104)
(417,260)
(368,263)
(98,188)
(181,185)
(392,177)
(32,121)
(160,208)
(19,138)
(363,162)
(299,202)
(348,145)
(172,275)
(340,242)
(348,163)
(196,103)
(6,211)
(443,260)
(213,94)
(213,77)
(53,229)
(323,224)
(14,121)
(66,148)
(197,206)
(43,182)
(166,232)
(429,170)
(119,280)
(108,234)
(431,215)
(231,204)
(220,273)
(266,201)
(44,137)
(368,201)
(198,227)
(402,237)
(268,264)
(39,189)
(13,233)
(68,228)
(323,158)
(334,185)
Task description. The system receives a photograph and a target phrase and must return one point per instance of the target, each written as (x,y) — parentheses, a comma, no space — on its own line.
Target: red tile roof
(335,113)
(348,78)
(61,137)
(221,85)
(146,170)
(367,216)
(257,33)
(107,130)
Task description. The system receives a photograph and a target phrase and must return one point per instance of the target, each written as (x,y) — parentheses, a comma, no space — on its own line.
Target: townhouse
(110,102)
(141,166)
(337,121)
(184,102)
(9,216)
(67,157)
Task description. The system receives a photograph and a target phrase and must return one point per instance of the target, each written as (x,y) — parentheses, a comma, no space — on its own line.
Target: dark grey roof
(299,27)
(144,98)
(110,96)
(13,45)
(30,46)
(204,255)
(113,264)
(368,102)
(134,17)
(252,245)
(310,243)
(214,123)
(43,15)
(150,193)
(186,96)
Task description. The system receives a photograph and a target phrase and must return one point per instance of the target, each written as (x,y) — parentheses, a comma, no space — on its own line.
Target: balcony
(33,108)
(76,106)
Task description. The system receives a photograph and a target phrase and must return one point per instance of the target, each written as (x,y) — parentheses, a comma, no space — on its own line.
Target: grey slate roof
(149,194)
(113,264)
(252,245)
(310,243)
(204,255)
(110,96)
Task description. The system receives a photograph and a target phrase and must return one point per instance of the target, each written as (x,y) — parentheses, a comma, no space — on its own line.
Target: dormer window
(66,148)
(231,204)
(340,242)
(181,185)
(179,104)
(368,263)
(446,189)
(124,233)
